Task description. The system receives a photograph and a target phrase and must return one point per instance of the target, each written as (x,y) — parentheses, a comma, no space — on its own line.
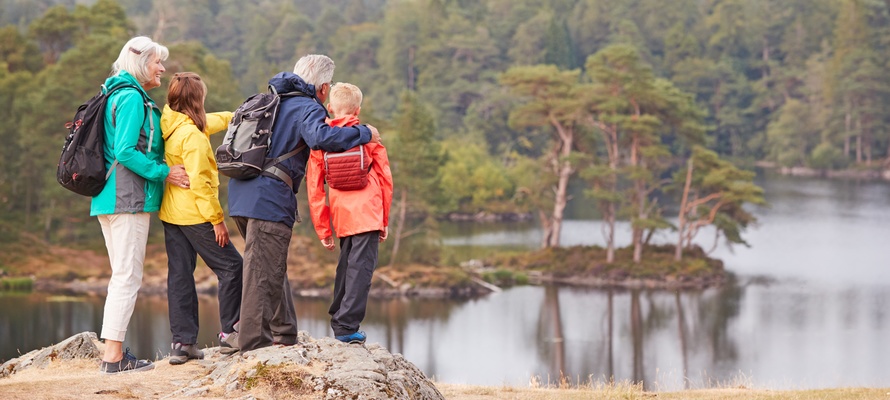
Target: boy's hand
(328,243)
(384,234)
(375,135)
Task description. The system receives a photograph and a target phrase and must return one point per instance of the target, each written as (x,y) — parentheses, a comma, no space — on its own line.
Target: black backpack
(81,166)
(243,152)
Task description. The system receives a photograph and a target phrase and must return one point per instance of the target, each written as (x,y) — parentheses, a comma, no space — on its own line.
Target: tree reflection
(610,367)
(636,332)
(681,333)
(550,332)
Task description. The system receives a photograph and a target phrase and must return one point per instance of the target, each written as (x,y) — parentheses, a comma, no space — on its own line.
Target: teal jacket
(136,183)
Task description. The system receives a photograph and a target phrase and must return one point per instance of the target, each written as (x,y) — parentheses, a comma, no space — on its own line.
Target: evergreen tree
(552,102)
(416,159)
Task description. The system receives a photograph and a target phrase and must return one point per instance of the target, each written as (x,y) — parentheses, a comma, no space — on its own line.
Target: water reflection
(771,334)
(809,309)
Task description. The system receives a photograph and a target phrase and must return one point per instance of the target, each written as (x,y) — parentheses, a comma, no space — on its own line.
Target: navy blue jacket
(268,198)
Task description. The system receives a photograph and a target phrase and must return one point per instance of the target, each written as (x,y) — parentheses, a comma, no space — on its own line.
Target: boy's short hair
(346,98)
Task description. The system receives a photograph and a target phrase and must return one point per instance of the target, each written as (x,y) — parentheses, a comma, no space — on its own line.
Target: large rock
(324,366)
(81,345)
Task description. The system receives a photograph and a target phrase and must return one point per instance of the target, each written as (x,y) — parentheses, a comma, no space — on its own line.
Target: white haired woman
(134,153)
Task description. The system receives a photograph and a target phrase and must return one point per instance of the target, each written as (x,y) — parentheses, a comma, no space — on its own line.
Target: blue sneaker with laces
(129,363)
(357,337)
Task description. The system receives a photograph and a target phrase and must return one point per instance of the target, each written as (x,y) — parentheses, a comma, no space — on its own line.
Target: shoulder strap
(278,172)
(151,121)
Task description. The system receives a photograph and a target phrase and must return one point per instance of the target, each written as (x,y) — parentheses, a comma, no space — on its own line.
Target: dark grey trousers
(358,259)
(267,308)
(184,243)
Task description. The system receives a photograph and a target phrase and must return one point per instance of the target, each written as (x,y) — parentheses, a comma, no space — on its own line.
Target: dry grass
(564,389)
(631,392)
(80,379)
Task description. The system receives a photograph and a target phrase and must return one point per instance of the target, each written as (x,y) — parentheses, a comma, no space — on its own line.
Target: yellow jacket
(186,145)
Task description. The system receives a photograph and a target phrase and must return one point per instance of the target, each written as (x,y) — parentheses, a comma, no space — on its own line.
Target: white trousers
(125,238)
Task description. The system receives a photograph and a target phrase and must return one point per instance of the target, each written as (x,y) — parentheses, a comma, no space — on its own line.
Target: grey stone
(337,370)
(81,345)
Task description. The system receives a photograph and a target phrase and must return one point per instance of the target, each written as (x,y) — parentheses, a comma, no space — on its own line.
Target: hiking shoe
(357,337)
(183,352)
(228,343)
(128,363)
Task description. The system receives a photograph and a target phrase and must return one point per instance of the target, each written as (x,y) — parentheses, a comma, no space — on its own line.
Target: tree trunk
(559,205)
(397,239)
(608,208)
(48,221)
(564,171)
(847,122)
(639,202)
(610,236)
(162,22)
(546,229)
(410,69)
(638,231)
(858,140)
(681,219)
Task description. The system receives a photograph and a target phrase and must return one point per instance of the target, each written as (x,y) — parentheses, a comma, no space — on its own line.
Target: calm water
(809,309)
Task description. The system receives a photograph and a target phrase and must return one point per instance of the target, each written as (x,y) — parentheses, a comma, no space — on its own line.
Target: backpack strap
(278,172)
(272,165)
(151,122)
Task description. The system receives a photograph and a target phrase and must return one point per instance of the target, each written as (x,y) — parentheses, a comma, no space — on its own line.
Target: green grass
(16,284)
(566,262)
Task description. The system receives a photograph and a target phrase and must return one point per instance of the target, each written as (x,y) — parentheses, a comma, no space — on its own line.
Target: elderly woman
(134,152)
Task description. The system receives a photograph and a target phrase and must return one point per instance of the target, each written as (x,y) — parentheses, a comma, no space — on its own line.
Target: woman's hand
(384,234)
(328,243)
(178,177)
(222,234)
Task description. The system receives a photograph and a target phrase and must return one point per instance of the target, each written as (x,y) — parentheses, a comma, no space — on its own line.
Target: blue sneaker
(129,363)
(357,337)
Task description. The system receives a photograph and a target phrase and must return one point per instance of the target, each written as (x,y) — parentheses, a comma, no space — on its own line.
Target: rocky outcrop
(81,345)
(317,368)
(325,367)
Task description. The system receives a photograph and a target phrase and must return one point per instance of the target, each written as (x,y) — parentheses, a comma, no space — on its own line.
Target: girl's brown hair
(186,95)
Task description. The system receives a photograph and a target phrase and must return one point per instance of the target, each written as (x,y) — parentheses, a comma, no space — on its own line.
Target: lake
(808,308)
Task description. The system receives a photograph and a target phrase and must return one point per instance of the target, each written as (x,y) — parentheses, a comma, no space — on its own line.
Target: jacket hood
(124,78)
(285,82)
(172,120)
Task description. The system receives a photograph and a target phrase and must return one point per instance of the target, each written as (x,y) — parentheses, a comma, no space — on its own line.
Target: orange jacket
(354,211)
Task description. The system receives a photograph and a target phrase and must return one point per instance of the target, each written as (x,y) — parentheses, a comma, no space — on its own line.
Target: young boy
(360,216)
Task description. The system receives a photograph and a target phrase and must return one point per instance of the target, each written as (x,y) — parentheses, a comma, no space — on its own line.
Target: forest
(494,106)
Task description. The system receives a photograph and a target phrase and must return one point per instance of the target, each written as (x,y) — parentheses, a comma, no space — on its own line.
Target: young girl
(193,219)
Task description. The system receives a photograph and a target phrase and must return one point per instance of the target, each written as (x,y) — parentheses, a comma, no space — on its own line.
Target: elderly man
(264,208)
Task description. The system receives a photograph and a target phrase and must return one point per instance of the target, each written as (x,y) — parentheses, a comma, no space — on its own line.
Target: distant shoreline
(873,173)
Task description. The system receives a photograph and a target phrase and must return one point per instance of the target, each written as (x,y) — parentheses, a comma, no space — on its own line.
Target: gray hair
(315,69)
(136,55)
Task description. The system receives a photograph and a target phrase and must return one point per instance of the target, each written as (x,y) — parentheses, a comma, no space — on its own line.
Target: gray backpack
(243,153)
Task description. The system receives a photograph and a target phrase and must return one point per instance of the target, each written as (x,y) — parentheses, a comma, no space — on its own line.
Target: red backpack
(347,170)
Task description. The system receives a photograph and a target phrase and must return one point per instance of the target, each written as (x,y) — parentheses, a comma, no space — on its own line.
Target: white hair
(136,55)
(315,69)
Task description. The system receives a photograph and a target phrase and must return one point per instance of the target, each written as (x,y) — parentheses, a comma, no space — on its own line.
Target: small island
(48,268)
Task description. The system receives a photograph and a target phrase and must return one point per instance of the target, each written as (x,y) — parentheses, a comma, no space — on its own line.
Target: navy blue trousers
(184,243)
(358,259)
